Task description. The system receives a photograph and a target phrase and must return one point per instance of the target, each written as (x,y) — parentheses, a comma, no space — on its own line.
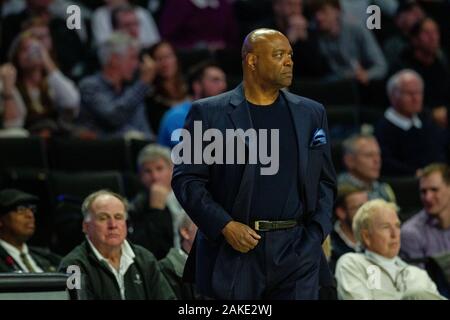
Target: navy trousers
(284,266)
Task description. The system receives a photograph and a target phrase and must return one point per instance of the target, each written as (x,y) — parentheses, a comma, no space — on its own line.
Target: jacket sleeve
(352,282)
(411,244)
(190,180)
(327,187)
(157,286)
(86,291)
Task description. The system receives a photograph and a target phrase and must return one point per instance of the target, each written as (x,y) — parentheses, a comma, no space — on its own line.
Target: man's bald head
(267,59)
(255,38)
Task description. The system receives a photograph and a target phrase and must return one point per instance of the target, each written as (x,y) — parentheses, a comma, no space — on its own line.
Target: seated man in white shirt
(17,225)
(112,268)
(378,273)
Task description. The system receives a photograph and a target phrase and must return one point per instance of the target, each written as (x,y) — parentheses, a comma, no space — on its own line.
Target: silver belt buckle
(257,228)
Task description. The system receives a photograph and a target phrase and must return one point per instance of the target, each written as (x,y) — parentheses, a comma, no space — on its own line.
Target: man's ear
(365,238)
(340,213)
(84,227)
(251,60)
(348,160)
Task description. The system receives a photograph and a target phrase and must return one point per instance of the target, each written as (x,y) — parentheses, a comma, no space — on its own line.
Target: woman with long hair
(169,85)
(47,94)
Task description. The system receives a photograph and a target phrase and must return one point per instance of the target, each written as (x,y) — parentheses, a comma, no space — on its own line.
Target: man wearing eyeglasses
(111,267)
(17,226)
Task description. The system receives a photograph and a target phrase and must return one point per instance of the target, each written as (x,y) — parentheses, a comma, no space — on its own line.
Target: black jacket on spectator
(151,228)
(172,267)
(403,152)
(46,260)
(143,279)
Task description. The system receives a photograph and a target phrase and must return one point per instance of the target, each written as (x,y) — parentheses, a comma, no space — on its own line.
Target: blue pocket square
(318,139)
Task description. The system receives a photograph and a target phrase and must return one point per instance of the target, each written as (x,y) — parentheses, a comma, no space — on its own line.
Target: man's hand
(158,196)
(240,236)
(147,69)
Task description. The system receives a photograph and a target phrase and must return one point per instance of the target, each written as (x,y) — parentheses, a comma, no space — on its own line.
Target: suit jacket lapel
(12,265)
(240,117)
(239,113)
(302,123)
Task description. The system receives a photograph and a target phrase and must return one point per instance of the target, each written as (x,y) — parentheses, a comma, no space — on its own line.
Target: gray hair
(117,43)
(395,80)
(87,203)
(349,144)
(153,152)
(363,217)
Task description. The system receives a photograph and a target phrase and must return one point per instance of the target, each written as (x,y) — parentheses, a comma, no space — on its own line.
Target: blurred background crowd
(95,107)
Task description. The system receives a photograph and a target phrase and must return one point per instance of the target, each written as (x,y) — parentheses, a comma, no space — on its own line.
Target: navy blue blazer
(213,195)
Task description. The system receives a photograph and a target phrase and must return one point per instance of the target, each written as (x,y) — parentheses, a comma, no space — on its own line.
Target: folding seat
(88,155)
(133,148)
(371,114)
(80,185)
(132,184)
(69,191)
(343,121)
(35,286)
(23,153)
(406,191)
(336,155)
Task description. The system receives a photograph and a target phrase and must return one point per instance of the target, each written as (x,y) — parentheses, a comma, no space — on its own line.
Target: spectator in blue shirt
(206,80)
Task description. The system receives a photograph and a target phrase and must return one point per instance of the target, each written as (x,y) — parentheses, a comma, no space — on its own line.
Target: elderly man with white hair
(408,138)
(378,273)
(112,102)
(111,267)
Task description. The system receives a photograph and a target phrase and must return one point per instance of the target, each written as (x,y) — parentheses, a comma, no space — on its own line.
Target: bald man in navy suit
(259,235)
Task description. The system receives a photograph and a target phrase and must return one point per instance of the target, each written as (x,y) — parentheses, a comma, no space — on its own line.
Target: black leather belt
(264,225)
